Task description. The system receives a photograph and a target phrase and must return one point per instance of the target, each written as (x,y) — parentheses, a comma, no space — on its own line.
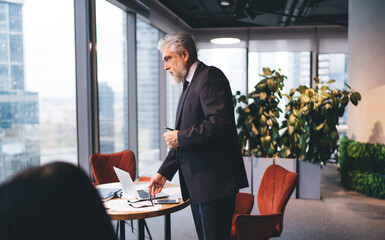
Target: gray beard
(179,76)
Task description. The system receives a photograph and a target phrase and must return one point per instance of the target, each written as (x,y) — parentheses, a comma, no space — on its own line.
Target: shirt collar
(191,71)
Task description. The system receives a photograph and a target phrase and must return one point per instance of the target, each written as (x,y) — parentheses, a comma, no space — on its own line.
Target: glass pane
(232,62)
(294,65)
(111,39)
(335,66)
(37,95)
(173,94)
(148,98)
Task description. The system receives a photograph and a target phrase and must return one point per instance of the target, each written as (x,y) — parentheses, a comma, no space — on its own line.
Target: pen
(169,128)
(151,200)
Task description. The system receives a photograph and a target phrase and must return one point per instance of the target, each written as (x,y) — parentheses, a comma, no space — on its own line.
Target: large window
(335,66)
(173,95)
(112,83)
(294,65)
(232,62)
(37,84)
(148,97)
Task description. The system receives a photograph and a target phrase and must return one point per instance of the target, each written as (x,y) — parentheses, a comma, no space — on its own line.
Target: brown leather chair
(244,203)
(274,192)
(102,166)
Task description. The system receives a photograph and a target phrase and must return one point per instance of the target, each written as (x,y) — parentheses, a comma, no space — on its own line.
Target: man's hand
(171,138)
(156,184)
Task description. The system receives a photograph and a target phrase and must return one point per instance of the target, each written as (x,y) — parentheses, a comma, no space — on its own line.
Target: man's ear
(185,54)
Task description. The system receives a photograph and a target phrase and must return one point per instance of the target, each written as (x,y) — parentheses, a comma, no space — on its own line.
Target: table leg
(141,229)
(122,230)
(167,227)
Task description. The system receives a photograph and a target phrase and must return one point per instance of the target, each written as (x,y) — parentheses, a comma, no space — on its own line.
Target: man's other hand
(171,138)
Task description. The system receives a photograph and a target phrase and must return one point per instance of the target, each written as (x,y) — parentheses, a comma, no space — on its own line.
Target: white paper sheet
(121,205)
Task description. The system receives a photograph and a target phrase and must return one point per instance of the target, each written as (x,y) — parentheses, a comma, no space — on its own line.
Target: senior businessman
(204,147)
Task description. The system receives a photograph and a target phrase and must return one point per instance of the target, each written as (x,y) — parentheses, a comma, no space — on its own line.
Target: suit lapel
(184,95)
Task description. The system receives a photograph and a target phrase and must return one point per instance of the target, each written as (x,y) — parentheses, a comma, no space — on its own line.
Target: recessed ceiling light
(225,3)
(228,40)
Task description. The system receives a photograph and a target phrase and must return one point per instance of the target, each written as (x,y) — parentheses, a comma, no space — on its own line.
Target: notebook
(108,193)
(130,189)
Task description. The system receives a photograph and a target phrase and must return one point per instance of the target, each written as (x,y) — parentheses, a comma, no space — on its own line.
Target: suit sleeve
(169,165)
(213,95)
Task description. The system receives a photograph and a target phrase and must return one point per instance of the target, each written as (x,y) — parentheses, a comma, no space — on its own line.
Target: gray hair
(177,42)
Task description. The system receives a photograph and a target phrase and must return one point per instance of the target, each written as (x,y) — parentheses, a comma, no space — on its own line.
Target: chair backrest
(274,192)
(244,203)
(102,165)
(256,227)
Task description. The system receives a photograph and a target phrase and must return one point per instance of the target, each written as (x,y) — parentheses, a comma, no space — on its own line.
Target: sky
(49,46)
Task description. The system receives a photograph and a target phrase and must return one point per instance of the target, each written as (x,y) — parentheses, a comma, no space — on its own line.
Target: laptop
(130,189)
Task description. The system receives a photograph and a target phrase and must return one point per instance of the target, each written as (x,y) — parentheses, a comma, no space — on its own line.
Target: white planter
(259,167)
(309,186)
(309,180)
(248,161)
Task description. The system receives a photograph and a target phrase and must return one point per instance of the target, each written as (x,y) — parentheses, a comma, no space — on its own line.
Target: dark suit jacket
(208,157)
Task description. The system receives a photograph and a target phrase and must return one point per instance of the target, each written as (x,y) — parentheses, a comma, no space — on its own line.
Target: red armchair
(102,165)
(244,203)
(274,192)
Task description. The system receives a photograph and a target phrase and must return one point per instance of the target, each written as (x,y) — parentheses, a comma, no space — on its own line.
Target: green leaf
(254,130)
(353,100)
(285,152)
(319,126)
(305,99)
(262,95)
(301,89)
(263,120)
(266,71)
(331,81)
(291,129)
(357,95)
(335,136)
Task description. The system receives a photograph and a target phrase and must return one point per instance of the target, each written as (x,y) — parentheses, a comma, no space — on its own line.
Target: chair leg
(148,231)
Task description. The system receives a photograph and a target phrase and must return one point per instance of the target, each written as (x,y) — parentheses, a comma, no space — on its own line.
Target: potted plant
(309,131)
(257,123)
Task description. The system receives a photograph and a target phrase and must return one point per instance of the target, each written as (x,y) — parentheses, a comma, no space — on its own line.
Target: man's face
(175,64)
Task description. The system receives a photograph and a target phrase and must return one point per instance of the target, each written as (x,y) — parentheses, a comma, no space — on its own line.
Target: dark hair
(54,201)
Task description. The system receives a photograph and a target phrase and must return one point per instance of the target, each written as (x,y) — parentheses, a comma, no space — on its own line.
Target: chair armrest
(256,226)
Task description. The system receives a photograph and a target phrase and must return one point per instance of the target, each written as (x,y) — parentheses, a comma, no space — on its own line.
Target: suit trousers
(213,219)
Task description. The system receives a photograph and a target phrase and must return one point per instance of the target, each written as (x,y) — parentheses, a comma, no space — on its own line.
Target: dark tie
(185,84)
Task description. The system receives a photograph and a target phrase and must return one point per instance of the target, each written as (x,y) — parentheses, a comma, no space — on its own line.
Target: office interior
(85,76)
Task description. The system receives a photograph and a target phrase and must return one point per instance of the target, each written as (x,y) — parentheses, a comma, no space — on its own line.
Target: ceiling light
(225,3)
(229,40)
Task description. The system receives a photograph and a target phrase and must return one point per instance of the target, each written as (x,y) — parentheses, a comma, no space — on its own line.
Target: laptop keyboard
(143,194)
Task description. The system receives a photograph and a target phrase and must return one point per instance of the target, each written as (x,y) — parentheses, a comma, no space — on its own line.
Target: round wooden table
(165,210)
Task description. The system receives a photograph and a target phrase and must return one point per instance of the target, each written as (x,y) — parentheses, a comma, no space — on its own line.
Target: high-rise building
(19,109)
(106,118)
